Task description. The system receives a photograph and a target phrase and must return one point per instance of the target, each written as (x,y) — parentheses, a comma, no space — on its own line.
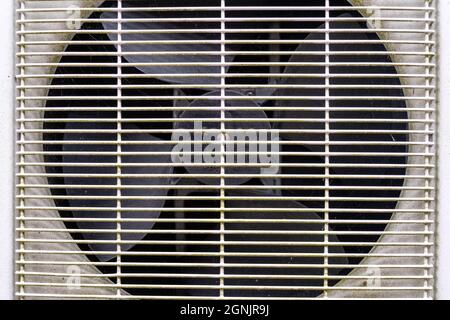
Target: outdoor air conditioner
(224,149)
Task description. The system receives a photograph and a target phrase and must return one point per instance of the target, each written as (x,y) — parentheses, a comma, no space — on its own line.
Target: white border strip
(7,149)
(443,230)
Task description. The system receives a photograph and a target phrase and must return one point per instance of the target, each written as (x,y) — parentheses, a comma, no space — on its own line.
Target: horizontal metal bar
(217,176)
(219,20)
(228,243)
(216,287)
(280,131)
(196,142)
(227,187)
(228,265)
(23,295)
(227,8)
(219,165)
(225,254)
(227,75)
(219,120)
(220,64)
(229,221)
(230,30)
(225,232)
(211,108)
(217,42)
(219,53)
(310,154)
(228,98)
(228,198)
(226,276)
(228,86)
(212,209)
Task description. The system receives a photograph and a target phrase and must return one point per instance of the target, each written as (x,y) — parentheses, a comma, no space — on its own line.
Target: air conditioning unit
(224,149)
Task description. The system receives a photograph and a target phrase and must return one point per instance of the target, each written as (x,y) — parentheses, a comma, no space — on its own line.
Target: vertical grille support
(119,146)
(21,168)
(223,143)
(428,139)
(327,145)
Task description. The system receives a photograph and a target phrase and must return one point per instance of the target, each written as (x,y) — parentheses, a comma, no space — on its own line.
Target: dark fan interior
(189,255)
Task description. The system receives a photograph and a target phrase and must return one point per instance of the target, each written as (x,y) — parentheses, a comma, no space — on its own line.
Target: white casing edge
(443,228)
(7,141)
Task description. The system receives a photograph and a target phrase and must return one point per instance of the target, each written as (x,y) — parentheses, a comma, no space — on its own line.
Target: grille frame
(344,293)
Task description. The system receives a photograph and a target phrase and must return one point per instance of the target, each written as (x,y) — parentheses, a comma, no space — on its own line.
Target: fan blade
(286,223)
(372,123)
(290,231)
(180,105)
(170,53)
(310,80)
(96,199)
(252,131)
(369,123)
(317,112)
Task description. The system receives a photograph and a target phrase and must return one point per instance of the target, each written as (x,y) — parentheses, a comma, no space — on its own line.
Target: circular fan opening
(180,211)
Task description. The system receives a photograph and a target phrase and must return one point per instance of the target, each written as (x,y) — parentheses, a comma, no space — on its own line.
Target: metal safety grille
(225,149)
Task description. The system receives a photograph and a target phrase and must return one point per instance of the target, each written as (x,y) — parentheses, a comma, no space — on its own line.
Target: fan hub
(247,127)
